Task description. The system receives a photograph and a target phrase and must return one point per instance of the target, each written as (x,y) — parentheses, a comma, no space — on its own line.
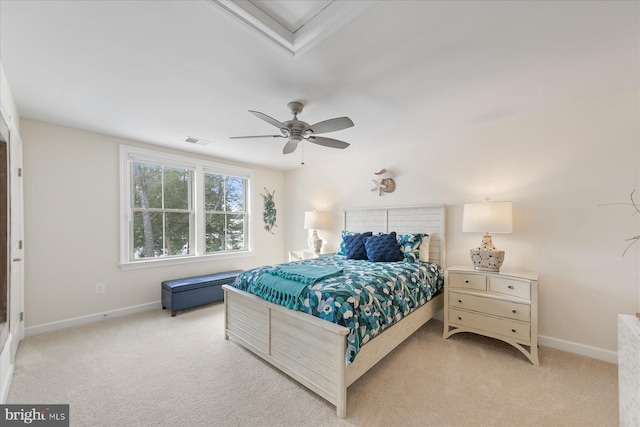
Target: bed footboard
(308,349)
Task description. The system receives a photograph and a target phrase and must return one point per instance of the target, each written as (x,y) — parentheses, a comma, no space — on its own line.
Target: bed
(315,352)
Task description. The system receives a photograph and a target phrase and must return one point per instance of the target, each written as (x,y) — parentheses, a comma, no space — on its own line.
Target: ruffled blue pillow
(342,250)
(383,248)
(354,245)
(410,246)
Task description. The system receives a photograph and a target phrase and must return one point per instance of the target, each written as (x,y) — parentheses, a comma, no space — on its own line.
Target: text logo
(34,415)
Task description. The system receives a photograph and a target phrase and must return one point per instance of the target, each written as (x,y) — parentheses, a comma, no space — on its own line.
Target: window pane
(163,215)
(213,192)
(235,232)
(214,233)
(147,234)
(235,194)
(177,233)
(176,188)
(147,185)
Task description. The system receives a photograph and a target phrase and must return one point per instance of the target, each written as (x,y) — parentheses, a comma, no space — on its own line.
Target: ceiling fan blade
(268,119)
(331,125)
(257,136)
(328,142)
(290,147)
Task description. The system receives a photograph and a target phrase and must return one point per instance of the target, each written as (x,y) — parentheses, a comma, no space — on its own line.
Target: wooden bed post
(341,395)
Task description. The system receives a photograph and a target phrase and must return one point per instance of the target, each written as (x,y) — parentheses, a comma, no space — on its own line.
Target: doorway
(4,236)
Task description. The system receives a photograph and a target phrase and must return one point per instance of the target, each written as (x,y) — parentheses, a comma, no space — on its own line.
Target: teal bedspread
(366,297)
(284,284)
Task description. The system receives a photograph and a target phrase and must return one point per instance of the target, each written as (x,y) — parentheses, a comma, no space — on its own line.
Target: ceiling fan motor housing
(297,127)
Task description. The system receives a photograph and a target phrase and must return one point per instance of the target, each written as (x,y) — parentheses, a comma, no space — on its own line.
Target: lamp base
(486,257)
(315,242)
(484,260)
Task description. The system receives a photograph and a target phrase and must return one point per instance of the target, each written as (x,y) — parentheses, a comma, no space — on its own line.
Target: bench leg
(173,314)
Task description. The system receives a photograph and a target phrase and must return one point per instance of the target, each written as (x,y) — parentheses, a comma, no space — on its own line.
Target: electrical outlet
(100,288)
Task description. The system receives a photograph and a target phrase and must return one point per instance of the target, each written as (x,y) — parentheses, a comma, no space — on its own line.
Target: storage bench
(181,294)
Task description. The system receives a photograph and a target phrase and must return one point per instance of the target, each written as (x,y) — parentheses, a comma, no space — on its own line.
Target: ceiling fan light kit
(297,131)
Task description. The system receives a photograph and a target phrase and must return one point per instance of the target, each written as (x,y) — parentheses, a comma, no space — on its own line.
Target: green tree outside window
(162,210)
(225,212)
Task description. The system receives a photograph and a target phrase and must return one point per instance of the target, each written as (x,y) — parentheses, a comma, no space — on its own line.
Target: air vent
(196,141)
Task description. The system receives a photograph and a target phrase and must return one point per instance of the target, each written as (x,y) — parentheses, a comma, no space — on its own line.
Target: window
(162,210)
(177,209)
(225,213)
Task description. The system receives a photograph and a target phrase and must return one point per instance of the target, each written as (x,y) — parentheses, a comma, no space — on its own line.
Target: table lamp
(487,217)
(315,220)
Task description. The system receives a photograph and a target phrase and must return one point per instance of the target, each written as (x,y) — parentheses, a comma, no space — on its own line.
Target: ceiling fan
(297,131)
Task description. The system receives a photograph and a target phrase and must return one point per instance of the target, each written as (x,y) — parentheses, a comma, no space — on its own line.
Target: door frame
(16,256)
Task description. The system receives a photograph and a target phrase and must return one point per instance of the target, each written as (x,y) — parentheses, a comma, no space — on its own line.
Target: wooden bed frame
(312,350)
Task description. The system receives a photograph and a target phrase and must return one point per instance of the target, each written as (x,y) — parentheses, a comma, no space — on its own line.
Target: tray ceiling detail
(295,26)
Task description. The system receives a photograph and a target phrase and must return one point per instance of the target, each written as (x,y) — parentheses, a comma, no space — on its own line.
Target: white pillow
(424,249)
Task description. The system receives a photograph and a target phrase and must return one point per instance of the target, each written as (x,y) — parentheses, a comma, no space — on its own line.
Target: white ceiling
(405,72)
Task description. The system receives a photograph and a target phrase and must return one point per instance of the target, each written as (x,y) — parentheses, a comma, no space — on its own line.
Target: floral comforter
(367,298)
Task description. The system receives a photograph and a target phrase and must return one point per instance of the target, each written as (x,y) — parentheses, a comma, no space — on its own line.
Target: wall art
(269,213)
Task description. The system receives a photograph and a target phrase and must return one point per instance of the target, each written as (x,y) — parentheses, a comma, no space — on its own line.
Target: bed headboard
(403,220)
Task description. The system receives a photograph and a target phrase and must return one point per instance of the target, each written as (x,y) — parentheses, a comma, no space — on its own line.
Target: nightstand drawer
(504,327)
(507,286)
(512,310)
(468,281)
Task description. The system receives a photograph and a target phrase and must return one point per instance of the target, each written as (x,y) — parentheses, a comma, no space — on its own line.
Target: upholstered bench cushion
(180,294)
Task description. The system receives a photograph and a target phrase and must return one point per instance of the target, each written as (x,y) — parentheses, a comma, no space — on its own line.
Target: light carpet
(149,369)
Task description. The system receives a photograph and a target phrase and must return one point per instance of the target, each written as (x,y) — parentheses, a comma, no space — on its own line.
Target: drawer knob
(459,317)
(513,311)
(513,330)
(460,301)
(466,281)
(510,286)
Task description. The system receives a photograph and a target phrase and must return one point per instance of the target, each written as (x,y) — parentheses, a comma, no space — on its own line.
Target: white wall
(556,167)
(7,103)
(71,180)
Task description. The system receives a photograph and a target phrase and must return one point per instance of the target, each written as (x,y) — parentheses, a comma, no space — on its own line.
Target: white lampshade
(487,217)
(315,220)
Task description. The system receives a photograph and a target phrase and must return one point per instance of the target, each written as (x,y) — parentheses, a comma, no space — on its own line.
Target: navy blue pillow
(354,245)
(383,248)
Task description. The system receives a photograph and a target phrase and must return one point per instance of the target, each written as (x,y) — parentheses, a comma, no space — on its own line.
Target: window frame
(190,210)
(197,251)
(225,212)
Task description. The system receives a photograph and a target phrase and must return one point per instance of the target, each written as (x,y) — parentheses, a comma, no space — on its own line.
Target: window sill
(165,262)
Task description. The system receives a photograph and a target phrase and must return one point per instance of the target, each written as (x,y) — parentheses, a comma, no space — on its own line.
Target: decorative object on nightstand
(503,306)
(487,217)
(315,220)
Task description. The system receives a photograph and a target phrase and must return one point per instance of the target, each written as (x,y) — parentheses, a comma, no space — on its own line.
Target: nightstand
(503,306)
(306,254)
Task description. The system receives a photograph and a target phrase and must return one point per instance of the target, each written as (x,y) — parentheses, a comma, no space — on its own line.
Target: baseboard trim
(577,348)
(81,320)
